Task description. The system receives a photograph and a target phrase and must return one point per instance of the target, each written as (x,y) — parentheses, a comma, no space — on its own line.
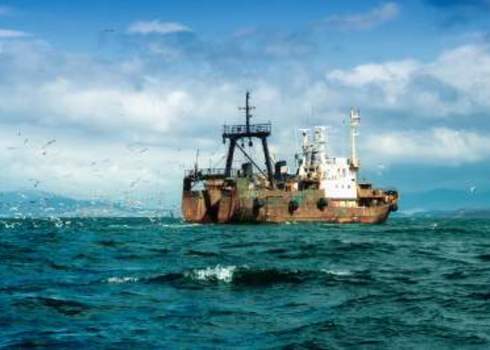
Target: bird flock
(37,200)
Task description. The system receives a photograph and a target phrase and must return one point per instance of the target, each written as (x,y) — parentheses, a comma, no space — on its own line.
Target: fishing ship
(322,188)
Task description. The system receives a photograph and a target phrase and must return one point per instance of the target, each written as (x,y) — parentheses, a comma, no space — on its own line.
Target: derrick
(238,132)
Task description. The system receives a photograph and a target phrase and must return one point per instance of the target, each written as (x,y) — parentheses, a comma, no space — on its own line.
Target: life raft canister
(257,204)
(322,203)
(293,206)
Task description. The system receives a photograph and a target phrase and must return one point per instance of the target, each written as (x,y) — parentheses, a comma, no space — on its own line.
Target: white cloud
(392,78)
(101,107)
(157,27)
(86,168)
(10,33)
(453,84)
(437,145)
(96,108)
(397,71)
(466,68)
(370,19)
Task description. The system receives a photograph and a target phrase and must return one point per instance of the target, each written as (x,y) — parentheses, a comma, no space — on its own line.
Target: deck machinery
(322,188)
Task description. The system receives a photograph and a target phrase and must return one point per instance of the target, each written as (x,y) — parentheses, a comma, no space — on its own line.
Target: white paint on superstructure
(337,176)
(340,179)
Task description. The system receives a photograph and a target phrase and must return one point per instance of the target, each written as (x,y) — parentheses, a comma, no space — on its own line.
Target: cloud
(367,20)
(394,71)
(436,145)
(447,87)
(407,101)
(157,27)
(10,33)
(75,167)
(96,108)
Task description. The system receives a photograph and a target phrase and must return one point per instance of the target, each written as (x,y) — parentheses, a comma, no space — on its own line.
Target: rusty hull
(238,204)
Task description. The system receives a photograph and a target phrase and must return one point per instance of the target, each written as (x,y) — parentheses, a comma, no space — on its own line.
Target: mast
(319,138)
(196,163)
(355,119)
(248,115)
(235,133)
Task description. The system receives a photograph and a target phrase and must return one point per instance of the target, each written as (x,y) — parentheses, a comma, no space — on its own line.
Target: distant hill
(443,200)
(460,213)
(43,204)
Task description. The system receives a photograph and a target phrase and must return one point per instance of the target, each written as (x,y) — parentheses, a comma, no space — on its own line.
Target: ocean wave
(337,272)
(119,226)
(179,225)
(358,277)
(64,306)
(321,283)
(355,246)
(242,276)
(258,277)
(248,276)
(484,257)
(276,251)
(126,279)
(263,277)
(218,273)
(107,243)
(480,295)
(165,278)
(192,252)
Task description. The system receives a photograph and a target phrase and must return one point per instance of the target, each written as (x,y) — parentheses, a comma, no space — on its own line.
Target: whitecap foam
(337,272)
(9,226)
(118,226)
(179,225)
(121,279)
(220,273)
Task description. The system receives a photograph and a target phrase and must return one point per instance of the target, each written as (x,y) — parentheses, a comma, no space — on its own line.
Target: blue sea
(161,283)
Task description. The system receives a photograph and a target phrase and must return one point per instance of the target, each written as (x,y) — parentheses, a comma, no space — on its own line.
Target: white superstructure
(337,176)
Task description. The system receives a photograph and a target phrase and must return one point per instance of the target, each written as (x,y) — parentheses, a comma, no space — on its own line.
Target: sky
(110,99)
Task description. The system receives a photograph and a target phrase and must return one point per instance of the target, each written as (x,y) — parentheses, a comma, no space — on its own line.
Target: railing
(264,128)
(209,172)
